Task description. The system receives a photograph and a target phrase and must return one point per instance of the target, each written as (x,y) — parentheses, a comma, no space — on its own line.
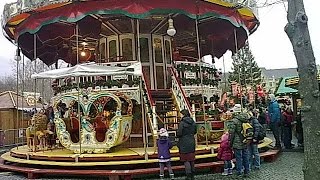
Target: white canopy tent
(90,69)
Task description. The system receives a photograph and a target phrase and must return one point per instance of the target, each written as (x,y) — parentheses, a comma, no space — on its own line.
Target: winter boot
(230,171)
(192,176)
(161,176)
(189,177)
(225,172)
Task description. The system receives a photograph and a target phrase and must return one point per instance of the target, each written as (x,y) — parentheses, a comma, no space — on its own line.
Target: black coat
(256,127)
(186,131)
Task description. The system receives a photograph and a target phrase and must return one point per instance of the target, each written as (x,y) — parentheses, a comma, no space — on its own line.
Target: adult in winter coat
(254,156)
(186,144)
(240,148)
(275,117)
(287,128)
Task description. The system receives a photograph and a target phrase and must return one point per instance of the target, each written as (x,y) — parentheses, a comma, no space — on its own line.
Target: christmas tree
(245,69)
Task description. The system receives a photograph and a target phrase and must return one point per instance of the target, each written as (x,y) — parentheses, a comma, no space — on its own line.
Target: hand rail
(147,89)
(177,90)
(148,98)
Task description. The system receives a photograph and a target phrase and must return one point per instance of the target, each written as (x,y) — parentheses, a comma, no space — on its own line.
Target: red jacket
(288,118)
(225,152)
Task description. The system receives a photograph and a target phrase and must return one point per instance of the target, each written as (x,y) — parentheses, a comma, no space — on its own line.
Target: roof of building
(8,100)
(279,73)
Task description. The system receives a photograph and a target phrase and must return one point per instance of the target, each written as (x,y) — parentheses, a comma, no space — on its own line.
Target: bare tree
(7,83)
(298,33)
(27,84)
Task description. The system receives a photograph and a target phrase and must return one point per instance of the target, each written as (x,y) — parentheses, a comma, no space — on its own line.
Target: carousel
(133,65)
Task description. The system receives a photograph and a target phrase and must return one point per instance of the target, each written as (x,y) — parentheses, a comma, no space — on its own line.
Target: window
(167,53)
(127,52)
(160,77)
(146,72)
(113,51)
(270,84)
(157,45)
(144,50)
(102,50)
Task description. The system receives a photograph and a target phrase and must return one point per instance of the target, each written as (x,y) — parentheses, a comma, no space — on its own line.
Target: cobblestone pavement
(287,167)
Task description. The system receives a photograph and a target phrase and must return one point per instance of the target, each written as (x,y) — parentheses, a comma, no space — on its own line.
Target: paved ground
(287,167)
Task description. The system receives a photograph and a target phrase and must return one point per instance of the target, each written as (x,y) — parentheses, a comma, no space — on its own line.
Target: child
(225,154)
(164,146)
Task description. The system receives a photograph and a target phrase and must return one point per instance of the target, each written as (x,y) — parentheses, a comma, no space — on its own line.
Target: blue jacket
(274,111)
(164,146)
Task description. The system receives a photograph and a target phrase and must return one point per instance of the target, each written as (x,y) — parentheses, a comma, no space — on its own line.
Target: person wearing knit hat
(163,132)
(164,145)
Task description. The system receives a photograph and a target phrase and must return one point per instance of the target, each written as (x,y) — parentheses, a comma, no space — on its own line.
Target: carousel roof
(54,23)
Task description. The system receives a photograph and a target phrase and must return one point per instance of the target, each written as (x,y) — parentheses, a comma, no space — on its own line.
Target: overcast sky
(269,44)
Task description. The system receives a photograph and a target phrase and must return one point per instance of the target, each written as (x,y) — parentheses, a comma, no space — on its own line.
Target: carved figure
(37,131)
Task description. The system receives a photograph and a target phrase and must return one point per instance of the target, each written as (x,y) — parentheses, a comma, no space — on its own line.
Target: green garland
(205,81)
(103,83)
(195,69)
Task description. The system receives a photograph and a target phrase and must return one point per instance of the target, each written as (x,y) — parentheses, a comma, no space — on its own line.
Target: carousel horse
(37,131)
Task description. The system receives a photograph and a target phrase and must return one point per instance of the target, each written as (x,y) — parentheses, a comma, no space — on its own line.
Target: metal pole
(224,72)
(35,83)
(236,54)
(144,124)
(42,93)
(22,105)
(17,104)
(78,81)
(252,89)
(201,80)
(225,79)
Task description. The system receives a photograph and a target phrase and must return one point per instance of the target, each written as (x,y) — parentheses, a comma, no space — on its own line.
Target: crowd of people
(240,140)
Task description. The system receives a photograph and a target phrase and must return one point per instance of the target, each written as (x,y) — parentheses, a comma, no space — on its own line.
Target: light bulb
(83,53)
(171,30)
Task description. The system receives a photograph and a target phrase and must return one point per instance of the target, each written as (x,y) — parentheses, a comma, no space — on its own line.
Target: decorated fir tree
(245,69)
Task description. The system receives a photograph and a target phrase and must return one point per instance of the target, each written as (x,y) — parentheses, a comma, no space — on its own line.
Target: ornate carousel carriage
(132,66)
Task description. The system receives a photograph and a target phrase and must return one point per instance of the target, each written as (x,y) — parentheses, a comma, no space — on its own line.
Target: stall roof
(8,100)
(282,89)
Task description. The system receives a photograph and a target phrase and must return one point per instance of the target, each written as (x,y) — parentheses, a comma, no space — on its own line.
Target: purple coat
(164,146)
(225,152)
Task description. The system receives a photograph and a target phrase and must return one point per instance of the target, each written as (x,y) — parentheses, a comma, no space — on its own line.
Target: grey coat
(186,131)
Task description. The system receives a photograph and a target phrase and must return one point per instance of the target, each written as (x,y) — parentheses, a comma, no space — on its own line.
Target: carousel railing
(150,108)
(178,93)
(190,74)
(149,103)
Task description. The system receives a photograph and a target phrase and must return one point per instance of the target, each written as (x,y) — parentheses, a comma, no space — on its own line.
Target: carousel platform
(121,163)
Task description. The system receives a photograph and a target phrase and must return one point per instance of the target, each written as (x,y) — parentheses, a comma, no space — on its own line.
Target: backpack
(262,132)
(247,132)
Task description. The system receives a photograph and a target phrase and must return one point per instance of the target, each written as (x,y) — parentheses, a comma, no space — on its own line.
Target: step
(215,166)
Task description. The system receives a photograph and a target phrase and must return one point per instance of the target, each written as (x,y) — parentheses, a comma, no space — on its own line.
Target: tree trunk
(298,33)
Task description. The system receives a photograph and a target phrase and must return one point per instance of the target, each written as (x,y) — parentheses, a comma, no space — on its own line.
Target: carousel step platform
(214,166)
(270,155)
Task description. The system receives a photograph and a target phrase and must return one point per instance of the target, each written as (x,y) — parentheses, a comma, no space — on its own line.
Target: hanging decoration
(212,75)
